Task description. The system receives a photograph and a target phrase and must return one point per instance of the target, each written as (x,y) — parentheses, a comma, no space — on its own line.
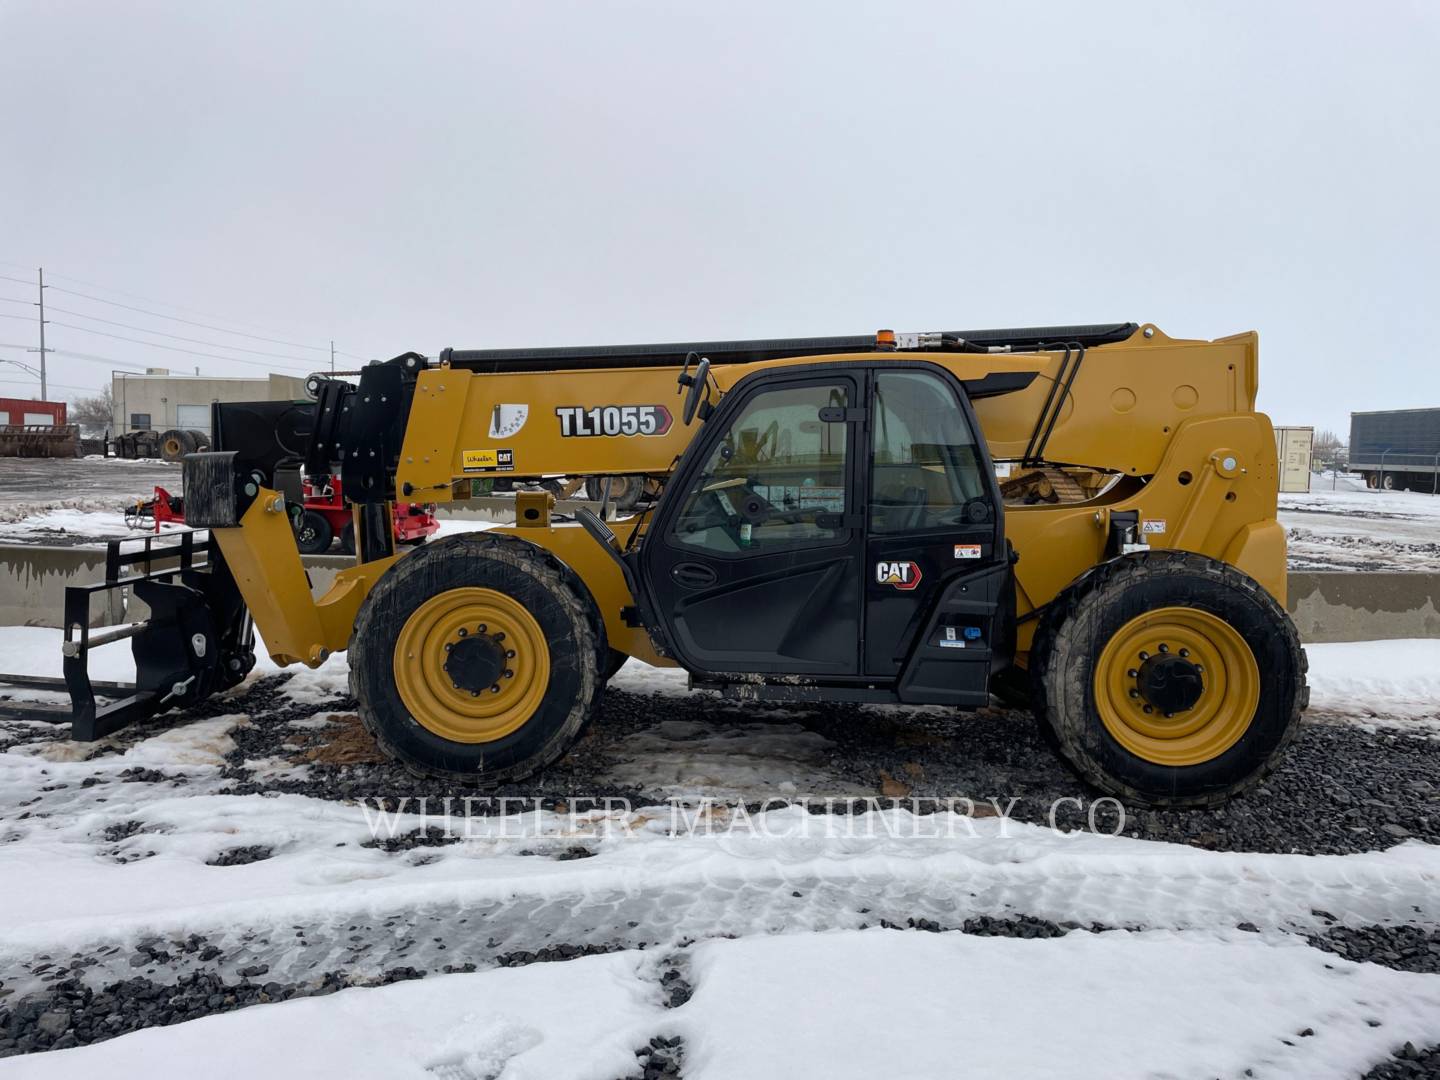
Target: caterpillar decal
(580,421)
(903,575)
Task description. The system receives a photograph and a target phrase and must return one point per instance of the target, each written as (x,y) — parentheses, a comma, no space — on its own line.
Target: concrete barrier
(1364,606)
(33,580)
(1326,606)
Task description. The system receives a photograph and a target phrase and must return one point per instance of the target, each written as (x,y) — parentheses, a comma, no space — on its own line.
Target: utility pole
(44,395)
(332,356)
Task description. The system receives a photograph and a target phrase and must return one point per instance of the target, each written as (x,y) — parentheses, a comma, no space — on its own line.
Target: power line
(173,348)
(57,385)
(187,322)
(173,318)
(177,307)
(177,337)
(99,359)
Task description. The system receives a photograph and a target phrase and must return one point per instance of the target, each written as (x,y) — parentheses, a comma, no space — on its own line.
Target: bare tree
(93,414)
(1326,439)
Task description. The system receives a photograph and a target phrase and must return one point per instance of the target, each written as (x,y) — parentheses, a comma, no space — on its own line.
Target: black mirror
(698,386)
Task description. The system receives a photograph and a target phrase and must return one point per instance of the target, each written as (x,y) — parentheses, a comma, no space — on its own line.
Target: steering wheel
(974,511)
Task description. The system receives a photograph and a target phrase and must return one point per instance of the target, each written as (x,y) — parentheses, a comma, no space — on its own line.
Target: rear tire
(541,644)
(1106,729)
(313,533)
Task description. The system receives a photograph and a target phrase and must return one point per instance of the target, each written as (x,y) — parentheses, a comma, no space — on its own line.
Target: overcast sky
(416,175)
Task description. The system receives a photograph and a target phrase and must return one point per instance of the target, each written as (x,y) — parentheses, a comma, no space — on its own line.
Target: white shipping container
(1292,447)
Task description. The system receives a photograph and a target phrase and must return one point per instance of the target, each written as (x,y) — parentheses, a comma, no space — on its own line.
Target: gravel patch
(660,1059)
(1405,948)
(1340,789)
(70,1012)
(1408,1063)
(241,856)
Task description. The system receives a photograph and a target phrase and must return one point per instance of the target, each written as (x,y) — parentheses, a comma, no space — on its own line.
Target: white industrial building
(160,400)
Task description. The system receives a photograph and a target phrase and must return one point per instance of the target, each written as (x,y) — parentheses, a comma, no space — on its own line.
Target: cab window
(925,466)
(776,478)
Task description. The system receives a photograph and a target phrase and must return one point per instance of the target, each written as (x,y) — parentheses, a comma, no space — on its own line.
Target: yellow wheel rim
(1217,719)
(499,665)
(173,447)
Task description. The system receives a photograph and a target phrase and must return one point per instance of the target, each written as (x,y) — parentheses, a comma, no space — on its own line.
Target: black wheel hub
(475,663)
(1170,683)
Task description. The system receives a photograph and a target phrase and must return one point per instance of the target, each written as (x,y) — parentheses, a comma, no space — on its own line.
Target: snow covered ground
(569,938)
(227,895)
(1348,527)
(909,1004)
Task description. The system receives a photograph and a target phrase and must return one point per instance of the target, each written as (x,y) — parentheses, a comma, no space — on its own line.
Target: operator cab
(835,531)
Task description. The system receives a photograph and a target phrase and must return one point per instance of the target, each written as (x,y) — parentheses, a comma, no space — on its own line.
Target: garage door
(193,417)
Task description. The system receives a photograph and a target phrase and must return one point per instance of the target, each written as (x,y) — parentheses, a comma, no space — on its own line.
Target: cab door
(755,562)
(938,596)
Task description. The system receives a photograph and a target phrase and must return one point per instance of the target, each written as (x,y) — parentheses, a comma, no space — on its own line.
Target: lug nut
(463,631)
(454,686)
(1134,693)
(509,674)
(1184,652)
(1133,673)
(448,646)
(495,689)
(1149,709)
(1164,648)
(474,693)
(509,654)
(1144,655)
(480,629)
(499,638)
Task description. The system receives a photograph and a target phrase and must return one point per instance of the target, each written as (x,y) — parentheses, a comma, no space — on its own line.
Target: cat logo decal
(902,575)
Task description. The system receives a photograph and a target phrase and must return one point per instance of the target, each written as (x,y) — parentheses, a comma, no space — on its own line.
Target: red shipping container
(21,411)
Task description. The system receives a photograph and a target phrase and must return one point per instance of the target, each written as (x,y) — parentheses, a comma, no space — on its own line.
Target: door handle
(693,575)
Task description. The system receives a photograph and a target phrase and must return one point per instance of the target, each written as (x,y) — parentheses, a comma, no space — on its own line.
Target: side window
(775,480)
(926,465)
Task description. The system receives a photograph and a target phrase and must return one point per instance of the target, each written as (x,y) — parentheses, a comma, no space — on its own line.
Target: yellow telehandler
(829,526)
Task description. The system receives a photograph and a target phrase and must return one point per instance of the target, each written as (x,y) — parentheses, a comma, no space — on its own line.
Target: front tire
(1169,679)
(477,658)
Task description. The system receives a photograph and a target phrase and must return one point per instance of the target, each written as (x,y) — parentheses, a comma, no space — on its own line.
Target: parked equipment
(1398,448)
(323,516)
(830,528)
(170,445)
(40,440)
